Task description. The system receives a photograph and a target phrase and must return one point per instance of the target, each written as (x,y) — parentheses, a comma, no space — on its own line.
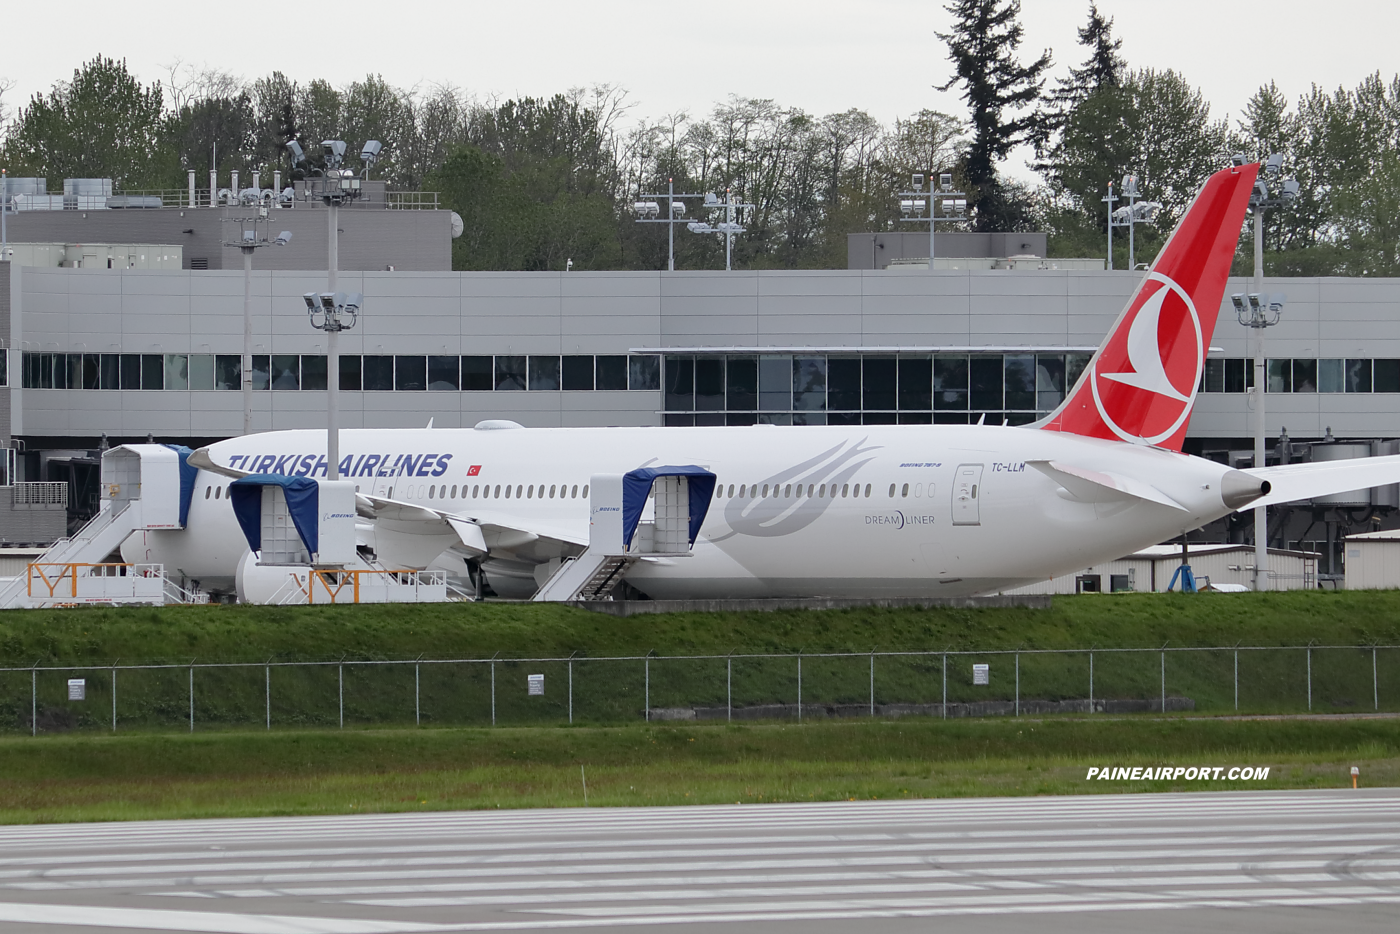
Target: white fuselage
(806,511)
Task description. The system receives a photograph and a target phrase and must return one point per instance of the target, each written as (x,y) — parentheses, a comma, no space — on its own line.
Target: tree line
(542,181)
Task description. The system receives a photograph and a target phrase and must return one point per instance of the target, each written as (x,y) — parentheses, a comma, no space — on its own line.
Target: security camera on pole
(253,234)
(333,311)
(913,204)
(1258,312)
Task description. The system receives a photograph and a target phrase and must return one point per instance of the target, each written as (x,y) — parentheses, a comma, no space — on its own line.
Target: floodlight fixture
(334,152)
(369,152)
(711,199)
(1130,186)
(918,181)
(311,300)
(250,236)
(1274,164)
(1290,189)
(678,208)
(1238,159)
(298,156)
(1238,301)
(283,238)
(945,181)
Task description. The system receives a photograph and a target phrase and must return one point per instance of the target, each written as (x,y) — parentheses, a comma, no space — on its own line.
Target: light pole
(248,242)
(648,212)
(912,205)
(1134,212)
(333,311)
(1259,312)
(728,227)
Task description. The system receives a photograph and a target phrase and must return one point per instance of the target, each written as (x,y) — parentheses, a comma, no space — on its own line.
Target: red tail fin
(1142,383)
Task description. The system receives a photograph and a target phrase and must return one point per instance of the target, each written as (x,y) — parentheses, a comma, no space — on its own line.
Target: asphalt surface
(1258,861)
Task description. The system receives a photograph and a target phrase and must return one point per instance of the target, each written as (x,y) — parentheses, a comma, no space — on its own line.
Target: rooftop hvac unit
(89,187)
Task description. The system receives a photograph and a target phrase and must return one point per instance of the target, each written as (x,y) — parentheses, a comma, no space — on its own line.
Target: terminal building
(100,356)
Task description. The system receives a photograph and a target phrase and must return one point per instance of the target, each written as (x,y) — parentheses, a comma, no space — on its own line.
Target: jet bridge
(144,486)
(619,535)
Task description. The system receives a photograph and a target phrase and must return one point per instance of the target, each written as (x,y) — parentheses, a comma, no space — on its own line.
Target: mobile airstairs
(144,486)
(619,536)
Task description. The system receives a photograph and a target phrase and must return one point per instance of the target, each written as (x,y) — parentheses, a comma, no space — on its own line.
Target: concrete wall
(877,250)
(371,237)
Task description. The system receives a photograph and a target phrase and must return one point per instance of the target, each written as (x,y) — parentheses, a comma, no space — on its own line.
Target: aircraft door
(967,493)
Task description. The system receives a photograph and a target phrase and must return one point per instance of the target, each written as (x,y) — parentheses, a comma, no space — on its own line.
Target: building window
(152,371)
(378,373)
(177,371)
(201,372)
(709,384)
(286,372)
(644,372)
(444,373)
(916,383)
(544,373)
(410,373)
(262,371)
(227,373)
(477,374)
(680,384)
(1385,376)
(986,382)
(1358,376)
(510,374)
(610,372)
(350,372)
(313,372)
(577,374)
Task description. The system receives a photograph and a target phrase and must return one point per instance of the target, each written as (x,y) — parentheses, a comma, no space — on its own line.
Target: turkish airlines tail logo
(1142,383)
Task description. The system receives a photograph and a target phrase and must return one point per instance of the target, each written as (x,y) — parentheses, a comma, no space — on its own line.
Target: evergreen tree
(1104,68)
(982,46)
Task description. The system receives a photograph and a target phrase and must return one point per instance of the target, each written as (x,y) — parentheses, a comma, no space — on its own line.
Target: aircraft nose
(1238,488)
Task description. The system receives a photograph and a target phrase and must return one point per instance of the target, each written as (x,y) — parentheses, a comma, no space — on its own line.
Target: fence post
(493,692)
(267,694)
(945,685)
(1018,684)
(1091,682)
(799,687)
(1375,681)
(1164,682)
(872,684)
(340,693)
(1309,677)
(34,701)
(646,687)
(417,706)
(571,690)
(729,689)
(114,698)
(1237,680)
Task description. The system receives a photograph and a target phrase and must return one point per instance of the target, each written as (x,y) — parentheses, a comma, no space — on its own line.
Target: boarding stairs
(75,570)
(618,535)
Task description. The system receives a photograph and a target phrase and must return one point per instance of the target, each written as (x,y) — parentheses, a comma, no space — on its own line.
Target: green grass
(612,692)
(229,633)
(70,778)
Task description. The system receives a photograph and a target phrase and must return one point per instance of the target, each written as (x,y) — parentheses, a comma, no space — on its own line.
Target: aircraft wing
(411,535)
(200,458)
(1291,482)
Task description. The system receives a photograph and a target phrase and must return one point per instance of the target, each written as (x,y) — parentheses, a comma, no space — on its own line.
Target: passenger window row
(813,491)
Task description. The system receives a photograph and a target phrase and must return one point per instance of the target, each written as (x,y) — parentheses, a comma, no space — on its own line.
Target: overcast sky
(820,55)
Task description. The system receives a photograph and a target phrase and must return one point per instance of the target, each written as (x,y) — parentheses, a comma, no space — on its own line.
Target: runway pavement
(1239,862)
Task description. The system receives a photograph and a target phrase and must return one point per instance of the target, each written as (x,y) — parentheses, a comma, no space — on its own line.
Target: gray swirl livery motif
(772,516)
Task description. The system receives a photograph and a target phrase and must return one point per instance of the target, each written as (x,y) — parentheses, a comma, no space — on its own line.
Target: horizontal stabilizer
(1100,486)
(1291,482)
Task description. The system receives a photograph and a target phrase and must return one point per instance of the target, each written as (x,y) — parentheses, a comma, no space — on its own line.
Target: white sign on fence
(981,674)
(77,689)
(536,683)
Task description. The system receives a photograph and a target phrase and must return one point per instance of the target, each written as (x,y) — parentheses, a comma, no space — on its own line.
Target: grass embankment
(613,692)
(244,774)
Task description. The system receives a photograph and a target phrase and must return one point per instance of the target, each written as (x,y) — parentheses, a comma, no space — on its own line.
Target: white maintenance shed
(1150,570)
(1372,560)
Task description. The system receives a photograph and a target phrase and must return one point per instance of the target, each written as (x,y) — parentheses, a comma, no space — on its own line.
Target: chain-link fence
(550,691)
